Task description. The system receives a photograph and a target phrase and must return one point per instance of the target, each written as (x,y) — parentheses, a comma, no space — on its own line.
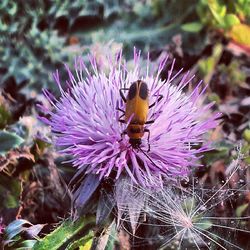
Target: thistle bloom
(84,121)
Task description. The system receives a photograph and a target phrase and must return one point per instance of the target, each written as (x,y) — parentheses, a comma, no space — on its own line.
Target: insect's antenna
(151,160)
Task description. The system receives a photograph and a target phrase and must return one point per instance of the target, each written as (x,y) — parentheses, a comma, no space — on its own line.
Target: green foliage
(10,190)
(219,14)
(221,151)
(246,145)
(112,237)
(192,27)
(241,209)
(232,73)
(208,65)
(35,36)
(27,51)
(9,141)
(30,45)
(213,97)
(246,135)
(5,116)
(204,224)
(68,235)
(189,206)
(242,8)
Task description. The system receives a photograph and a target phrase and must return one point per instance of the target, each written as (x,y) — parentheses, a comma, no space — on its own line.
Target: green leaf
(3,26)
(213,97)
(207,66)
(192,27)
(221,151)
(83,243)
(240,210)
(246,135)
(5,116)
(218,10)
(112,238)
(247,160)
(86,246)
(204,224)
(230,20)
(188,204)
(11,201)
(9,141)
(3,4)
(26,244)
(10,189)
(12,8)
(65,234)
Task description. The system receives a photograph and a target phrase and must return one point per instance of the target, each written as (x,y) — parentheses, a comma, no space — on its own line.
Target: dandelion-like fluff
(84,121)
(188,218)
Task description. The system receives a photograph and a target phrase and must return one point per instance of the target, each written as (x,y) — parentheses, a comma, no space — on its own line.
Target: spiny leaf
(65,233)
(83,243)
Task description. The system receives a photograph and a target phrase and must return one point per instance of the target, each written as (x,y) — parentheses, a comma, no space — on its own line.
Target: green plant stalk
(66,234)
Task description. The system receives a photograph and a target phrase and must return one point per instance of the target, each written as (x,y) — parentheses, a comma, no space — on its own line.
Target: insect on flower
(85,125)
(137,106)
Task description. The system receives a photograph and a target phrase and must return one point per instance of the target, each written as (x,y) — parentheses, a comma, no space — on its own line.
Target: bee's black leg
(150,122)
(121,116)
(146,130)
(153,104)
(120,110)
(122,121)
(148,147)
(122,95)
(122,134)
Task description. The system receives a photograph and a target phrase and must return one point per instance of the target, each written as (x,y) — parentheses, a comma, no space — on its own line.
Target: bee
(136,112)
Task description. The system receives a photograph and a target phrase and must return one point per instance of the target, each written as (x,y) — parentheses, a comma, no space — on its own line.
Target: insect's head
(136,143)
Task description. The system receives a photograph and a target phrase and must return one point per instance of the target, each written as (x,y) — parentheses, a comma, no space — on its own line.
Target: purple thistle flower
(84,121)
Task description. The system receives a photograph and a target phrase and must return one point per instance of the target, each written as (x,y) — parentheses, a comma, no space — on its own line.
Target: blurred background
(211,38)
